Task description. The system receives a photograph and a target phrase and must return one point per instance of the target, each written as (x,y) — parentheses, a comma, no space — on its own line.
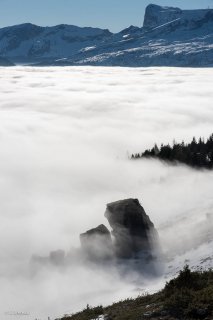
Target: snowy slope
(31,42)
(191,241)
(169,37)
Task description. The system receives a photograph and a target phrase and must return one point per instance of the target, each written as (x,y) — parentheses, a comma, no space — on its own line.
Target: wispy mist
(65,137)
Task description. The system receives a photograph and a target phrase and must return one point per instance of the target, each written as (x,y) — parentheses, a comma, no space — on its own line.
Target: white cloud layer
(65,136)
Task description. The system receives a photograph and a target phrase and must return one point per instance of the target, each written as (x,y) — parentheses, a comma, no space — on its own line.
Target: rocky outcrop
(156,15)
(170,19)
(133,231)
(131,245)
(97,243)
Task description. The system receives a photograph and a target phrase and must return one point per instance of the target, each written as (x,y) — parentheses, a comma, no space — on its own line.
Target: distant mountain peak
(157,7)
(169,37)
(156,15)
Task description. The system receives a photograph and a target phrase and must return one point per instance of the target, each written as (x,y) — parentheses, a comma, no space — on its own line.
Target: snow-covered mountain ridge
(169,37)
(29,42)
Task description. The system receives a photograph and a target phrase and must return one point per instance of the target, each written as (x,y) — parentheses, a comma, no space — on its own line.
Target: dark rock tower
(134,233)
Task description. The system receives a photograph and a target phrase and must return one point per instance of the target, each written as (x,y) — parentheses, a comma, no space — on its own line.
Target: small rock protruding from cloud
(97,243)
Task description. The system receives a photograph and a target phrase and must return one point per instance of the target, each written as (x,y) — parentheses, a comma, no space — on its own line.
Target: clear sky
(112,14)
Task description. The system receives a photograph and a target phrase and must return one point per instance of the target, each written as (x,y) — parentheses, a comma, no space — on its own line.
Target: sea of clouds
(66,135)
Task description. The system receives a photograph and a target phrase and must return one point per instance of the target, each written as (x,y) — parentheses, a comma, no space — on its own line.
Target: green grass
(189,296)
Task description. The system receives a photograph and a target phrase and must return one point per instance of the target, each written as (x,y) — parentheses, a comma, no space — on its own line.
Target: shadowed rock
(133,231)
(134,245)
(97,243)
(156,15)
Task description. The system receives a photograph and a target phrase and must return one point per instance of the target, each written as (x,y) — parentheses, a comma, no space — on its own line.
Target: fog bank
(65,138)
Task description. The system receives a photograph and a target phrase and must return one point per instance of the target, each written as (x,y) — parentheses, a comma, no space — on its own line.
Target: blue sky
(112,14)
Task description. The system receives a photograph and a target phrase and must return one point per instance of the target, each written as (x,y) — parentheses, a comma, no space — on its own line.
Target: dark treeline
(196,154)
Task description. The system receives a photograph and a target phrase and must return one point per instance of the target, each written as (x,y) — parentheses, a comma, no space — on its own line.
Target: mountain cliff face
(176,19)
(169,37)
(156,15)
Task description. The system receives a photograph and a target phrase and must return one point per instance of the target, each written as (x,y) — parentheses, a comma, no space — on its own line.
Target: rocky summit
(157,16)
(133,233)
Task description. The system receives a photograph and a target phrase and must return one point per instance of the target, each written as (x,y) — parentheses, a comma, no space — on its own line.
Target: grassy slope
(189,296)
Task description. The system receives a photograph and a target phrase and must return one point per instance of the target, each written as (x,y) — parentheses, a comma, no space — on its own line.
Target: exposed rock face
(132,247)
(184,20)
(97,243)
(133,231)
(156,15)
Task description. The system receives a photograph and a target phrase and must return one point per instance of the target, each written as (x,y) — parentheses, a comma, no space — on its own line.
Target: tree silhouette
(196,154)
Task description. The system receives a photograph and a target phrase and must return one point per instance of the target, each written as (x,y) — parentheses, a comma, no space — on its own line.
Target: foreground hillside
(169,37)
(189,296)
